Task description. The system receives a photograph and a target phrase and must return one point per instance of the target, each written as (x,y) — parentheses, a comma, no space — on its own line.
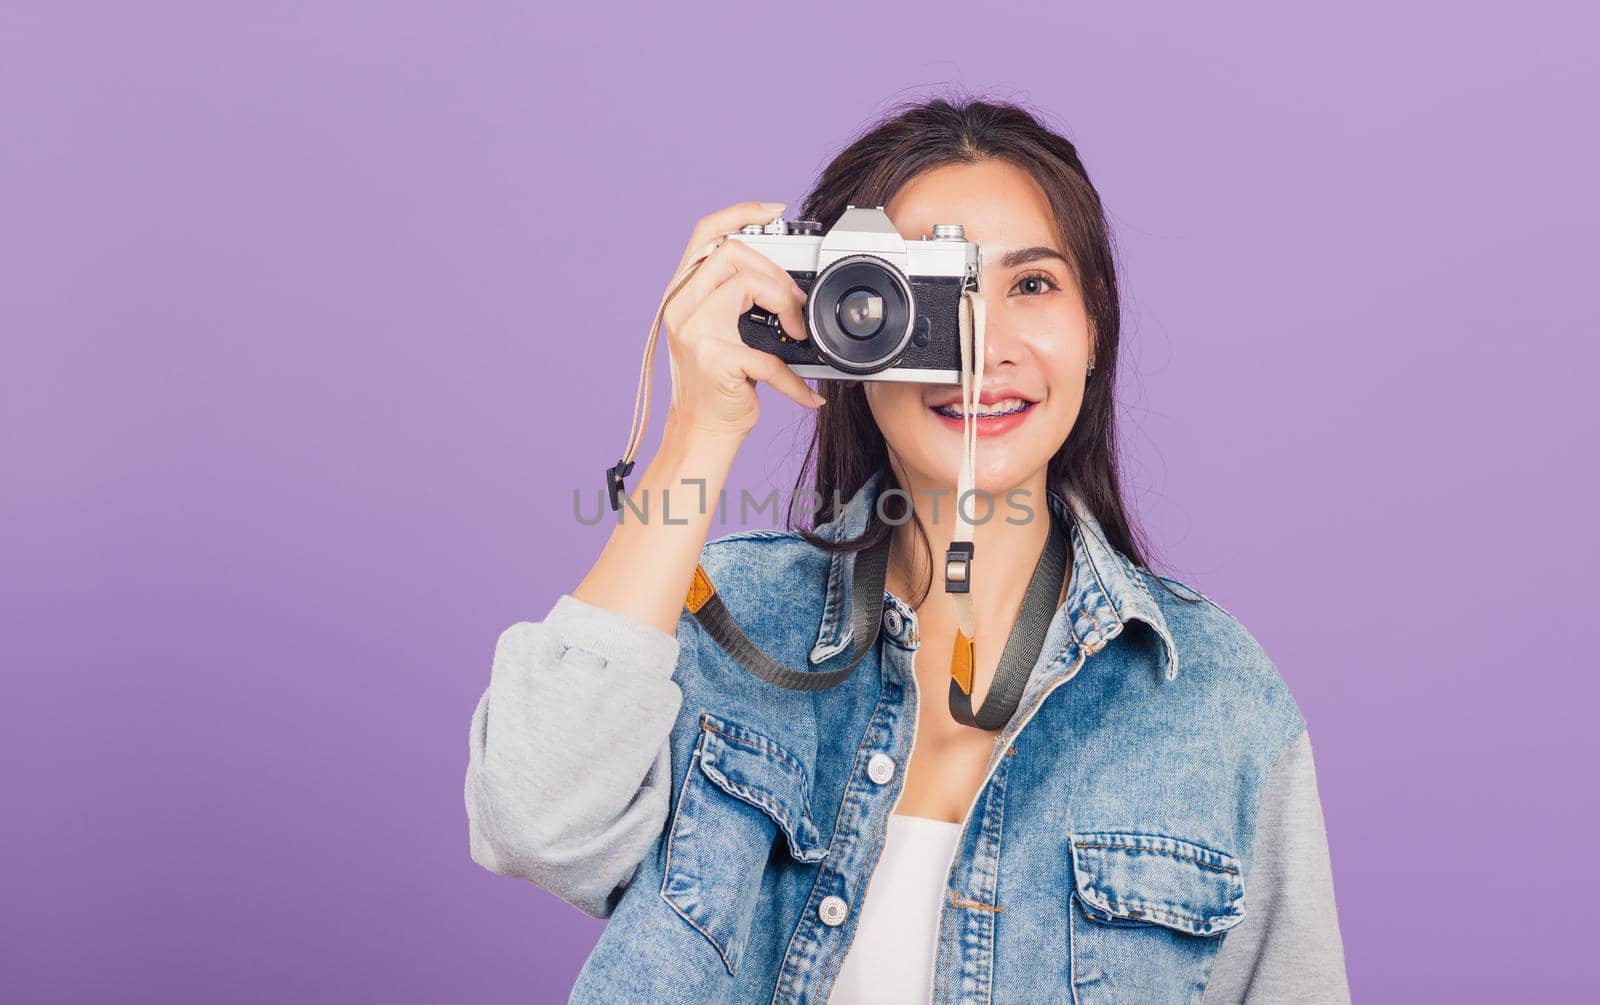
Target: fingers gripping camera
(878,307)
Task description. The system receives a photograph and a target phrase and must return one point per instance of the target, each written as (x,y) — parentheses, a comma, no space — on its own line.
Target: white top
(890,959)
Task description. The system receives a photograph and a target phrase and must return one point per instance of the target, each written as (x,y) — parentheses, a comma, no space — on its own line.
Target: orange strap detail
(700,591)
(961,660)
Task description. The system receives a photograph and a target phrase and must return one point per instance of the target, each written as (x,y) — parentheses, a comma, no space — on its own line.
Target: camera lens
(861,312)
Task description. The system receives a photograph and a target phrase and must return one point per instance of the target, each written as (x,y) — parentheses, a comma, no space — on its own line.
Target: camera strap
(641,398)
(958,557)
(866,595)
(1022,647)
(866,615)
(1044,588)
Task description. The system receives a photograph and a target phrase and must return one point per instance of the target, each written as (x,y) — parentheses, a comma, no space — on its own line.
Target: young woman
(1134,818)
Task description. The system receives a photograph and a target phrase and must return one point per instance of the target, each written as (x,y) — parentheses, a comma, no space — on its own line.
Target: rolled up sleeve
(568,774)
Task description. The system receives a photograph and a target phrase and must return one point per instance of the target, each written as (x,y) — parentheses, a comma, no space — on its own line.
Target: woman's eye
(1034,284)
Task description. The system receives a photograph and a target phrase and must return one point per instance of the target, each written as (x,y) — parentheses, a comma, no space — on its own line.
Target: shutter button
(880,768)
(832,911)
(891,621)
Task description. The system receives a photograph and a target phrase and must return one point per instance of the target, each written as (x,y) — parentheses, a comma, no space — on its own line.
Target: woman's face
(1037,333)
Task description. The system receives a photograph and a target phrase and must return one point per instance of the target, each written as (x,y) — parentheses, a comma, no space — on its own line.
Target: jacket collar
(1104,594)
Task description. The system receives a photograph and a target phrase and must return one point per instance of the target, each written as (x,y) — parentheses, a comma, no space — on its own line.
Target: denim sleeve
(568,773)
(1287,948)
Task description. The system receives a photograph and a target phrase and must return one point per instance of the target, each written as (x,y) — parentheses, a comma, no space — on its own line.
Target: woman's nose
(1000,343)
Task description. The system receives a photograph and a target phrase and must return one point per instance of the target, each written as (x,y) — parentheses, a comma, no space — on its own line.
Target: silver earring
(1091,366)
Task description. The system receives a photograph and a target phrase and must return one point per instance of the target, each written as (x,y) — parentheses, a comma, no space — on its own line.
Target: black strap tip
(614,476)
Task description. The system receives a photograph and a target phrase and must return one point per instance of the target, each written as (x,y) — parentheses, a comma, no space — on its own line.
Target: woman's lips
(994,424)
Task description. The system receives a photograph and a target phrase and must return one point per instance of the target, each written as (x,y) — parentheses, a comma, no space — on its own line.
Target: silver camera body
(878,307)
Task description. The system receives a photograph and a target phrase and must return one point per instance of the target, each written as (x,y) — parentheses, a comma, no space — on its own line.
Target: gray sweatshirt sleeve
(568,772)
(1288,947)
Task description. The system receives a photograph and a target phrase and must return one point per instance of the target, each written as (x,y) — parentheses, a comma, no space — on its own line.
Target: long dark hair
(847,447)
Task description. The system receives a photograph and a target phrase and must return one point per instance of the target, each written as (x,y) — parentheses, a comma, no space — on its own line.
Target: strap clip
(614,476)
(958,567)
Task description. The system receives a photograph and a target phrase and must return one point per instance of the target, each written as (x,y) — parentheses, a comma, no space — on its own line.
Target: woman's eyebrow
(1023,256)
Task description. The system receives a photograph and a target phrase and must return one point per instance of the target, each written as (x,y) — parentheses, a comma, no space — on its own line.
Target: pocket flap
(1153,879)
(752,767)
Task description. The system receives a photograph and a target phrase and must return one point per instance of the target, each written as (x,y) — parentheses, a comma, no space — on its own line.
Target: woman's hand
(713,371)
(648,562)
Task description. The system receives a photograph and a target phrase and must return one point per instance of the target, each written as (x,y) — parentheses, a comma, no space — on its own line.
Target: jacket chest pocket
(741,791)
(1146,915)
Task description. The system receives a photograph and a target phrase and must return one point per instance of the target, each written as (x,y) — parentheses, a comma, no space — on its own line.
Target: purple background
(315,314)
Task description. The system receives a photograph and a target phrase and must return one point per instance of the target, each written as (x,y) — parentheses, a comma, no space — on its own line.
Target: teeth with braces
(1005,406)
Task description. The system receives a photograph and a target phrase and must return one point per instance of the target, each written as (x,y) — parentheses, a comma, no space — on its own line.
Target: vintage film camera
(878,307)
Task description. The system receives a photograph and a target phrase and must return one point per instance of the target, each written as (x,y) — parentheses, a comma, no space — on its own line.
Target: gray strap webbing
(867,584)
(1026,641)
(866,596)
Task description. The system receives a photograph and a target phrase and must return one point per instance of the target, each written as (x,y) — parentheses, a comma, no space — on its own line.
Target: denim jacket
(728,828)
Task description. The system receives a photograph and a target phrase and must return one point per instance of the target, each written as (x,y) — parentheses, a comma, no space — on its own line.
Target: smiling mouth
(1006,406)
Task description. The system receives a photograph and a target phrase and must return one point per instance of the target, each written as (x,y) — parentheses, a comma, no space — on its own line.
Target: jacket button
(832,911)
(892,622)
(880,768)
